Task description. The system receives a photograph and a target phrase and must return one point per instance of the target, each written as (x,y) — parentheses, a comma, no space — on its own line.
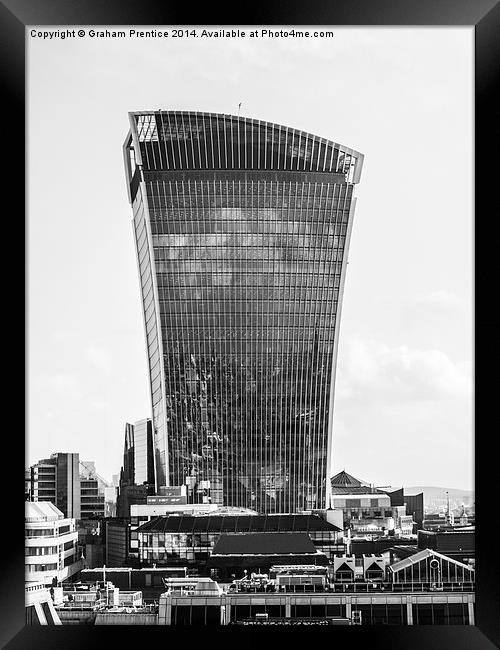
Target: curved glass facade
(241,229)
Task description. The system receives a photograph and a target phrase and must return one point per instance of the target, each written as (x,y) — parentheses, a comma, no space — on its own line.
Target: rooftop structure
(42,511)
(344,483)
(263,544)
(238,524)
(430,566)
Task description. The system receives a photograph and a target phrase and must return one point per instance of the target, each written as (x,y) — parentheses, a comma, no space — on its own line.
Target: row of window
(217,325)
(227,194)
(289,228)
(240,259)
(259,303)
(268,218)
(249,178)
(297,288)
(218,145)
(275,310)
(31,568)
(286,219)
(40,532)
(40,550)
(253,243)
(280,268)
(206,540)
(366,614)
(194,192)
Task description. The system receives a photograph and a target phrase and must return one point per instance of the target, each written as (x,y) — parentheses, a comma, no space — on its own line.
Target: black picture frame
(484,15)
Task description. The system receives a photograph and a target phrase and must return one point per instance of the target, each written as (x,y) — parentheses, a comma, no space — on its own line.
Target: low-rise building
(457,544)
(51,553)
(366,509)
(39,607)
(189,540)
(428,566)
(238,554)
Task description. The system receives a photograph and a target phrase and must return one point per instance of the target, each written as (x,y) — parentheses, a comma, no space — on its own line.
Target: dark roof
(344,483)
(266,561)
(355,490)
(236,524)
(343,479)
(264,544)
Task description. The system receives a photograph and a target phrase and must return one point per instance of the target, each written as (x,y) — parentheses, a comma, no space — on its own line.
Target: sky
(403,412)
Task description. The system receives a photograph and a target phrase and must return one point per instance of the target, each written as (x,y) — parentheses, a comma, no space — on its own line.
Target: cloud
(441,300)
(64,386)
(98,356)
(371,370)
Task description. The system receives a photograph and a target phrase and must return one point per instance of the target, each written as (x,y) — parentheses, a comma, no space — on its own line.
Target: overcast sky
(403,97)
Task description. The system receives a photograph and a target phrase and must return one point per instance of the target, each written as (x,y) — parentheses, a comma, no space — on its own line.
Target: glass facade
(189,540)
(137,476)
(68,484)
(143,452)
(241,231)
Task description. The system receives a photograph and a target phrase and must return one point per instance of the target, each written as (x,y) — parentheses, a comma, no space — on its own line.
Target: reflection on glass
(240,276)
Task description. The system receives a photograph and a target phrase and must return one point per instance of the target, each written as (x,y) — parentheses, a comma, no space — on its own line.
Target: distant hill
(435,497)
(434,492)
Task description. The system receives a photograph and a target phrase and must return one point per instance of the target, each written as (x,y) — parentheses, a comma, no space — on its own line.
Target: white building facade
(50,544)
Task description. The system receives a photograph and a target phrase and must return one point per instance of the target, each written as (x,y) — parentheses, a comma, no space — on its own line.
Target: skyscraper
(241,230)
(137,478)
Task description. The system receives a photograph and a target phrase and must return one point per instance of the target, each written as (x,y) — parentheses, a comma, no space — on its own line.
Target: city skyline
(405,352)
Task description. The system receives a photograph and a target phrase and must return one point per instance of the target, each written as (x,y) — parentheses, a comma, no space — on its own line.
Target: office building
(110,496)
(242,230)
(51,552)
(71,485)
(91,499)
(363,505)
(137,479)
(57,480)
(189,540)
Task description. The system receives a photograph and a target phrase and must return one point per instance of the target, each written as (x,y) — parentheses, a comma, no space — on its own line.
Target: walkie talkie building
(242,230)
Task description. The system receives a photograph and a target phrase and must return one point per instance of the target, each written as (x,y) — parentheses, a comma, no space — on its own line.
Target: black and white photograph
(250,326)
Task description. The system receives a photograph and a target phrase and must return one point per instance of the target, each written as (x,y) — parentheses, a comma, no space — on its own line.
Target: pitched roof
(43,510)
(337,490)
(264,544)
(343,479)
(423,555)
(236,524)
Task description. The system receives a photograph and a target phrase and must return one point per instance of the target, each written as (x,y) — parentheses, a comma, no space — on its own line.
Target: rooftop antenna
(239,106)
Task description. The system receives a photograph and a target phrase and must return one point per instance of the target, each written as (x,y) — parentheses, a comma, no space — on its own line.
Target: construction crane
(92,473)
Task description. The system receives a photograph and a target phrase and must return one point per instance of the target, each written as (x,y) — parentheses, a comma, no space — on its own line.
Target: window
(40,532)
